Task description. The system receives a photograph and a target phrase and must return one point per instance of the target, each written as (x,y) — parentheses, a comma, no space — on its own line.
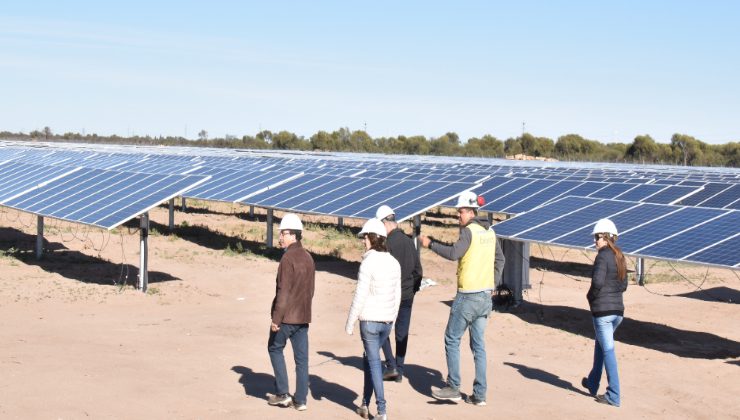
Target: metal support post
(184,206)
(640,271)
(340,223)
(417,233)
(144,253)
(251,212)
(490,218)
(516,269)
(268,236)
(172,214)
(39,237)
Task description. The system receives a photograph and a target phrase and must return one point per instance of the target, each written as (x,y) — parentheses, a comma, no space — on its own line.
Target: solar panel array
(693,234)
(38,178)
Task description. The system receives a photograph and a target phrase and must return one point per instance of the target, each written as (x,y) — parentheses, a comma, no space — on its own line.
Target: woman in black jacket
(608,283)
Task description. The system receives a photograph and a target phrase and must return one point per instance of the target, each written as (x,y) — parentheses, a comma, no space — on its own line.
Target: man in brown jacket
(291,314)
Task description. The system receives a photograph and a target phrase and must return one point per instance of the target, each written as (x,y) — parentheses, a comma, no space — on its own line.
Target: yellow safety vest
(475,268)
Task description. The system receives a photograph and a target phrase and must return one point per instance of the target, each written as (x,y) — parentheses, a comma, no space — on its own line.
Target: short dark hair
(377,242)
(298,234)
(390,218)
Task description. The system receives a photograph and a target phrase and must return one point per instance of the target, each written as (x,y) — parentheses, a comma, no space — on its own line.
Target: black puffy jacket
(605,294)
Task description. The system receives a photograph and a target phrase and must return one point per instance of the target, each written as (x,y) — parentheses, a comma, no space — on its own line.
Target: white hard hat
(605,226)
(373,226)
(467,199)
(291,222)
(383,212)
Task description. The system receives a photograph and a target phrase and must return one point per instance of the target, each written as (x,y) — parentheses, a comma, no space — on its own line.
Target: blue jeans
(605,357)
(469,310)
(402,324)
(373,335)
(298,335)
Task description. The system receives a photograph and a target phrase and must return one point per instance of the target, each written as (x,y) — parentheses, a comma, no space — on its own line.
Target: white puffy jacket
(378,292)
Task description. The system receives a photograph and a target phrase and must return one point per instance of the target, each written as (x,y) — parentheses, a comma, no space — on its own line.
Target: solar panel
(229,185)
(710,190)
(691,234)
(723,198)
(17,178)
(356,197)
(101,198)
(688,242)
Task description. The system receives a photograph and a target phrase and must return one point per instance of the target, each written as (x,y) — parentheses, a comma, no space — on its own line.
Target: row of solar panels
(681,233)
(94,197)
(106,198)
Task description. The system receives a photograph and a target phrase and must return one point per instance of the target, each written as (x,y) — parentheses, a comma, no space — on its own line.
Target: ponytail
(618,256)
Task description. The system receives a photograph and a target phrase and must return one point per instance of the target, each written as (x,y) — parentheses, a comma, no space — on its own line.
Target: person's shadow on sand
(258,385)
(421,378)
(546,377)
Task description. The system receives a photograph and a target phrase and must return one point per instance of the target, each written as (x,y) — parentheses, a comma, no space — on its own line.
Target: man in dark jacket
(402,248)
(291,314)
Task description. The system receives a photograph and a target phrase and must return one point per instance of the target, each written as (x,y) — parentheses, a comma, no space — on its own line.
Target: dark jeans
(373,335)
(402,324)
(298,335)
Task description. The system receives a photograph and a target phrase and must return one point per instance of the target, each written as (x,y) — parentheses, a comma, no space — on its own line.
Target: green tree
(643,149)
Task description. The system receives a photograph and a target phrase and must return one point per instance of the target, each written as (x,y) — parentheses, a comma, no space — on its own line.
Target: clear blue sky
(606,70)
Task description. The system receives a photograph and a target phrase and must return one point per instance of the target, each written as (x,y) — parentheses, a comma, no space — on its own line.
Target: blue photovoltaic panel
(575,220)
(671,194)
(561,188)
(103,198)
(230,185)
(17,178)
(325,192)
(710,190)
(513,197)
(357,197)
(725,253)
(635,216)
(689,242)
(586,188)
(666,226)
(612,190)
(551,211)
(640,192)
(723,198)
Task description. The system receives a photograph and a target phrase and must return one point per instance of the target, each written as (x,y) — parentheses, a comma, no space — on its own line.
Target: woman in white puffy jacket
(375,304)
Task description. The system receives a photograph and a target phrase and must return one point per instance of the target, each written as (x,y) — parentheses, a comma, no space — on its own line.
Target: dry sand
(74,346)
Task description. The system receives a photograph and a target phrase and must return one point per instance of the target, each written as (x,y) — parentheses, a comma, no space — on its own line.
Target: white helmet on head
(605,226)
(373,226)
(468,199)
(291,222)
(383,212)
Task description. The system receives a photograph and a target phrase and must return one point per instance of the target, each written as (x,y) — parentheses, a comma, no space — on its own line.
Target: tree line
(682,150)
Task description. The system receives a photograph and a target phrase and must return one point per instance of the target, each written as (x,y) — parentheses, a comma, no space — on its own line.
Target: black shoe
(399,378)
(390,375)
(584,383)
(602,399)
(475,401)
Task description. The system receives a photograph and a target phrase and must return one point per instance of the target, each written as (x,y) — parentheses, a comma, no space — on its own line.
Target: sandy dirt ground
(75,344)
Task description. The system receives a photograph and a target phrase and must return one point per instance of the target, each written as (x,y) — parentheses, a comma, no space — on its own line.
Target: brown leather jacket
(294,287)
